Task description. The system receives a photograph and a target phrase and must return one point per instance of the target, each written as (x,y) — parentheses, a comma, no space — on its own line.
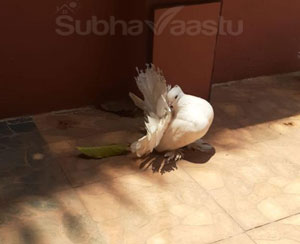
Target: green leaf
(104,151)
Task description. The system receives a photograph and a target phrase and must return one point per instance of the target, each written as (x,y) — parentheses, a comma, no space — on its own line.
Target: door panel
(184,45)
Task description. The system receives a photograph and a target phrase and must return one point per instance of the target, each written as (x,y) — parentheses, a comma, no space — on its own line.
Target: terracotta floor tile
(286,231)
(29,171)
(249,182)
(68,127)
(253,184)
(85,171)
(240,239)
(287,147)
(68,147)
(55,218)
(154,208)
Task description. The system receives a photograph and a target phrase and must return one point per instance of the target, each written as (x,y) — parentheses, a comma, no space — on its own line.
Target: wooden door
(184,45)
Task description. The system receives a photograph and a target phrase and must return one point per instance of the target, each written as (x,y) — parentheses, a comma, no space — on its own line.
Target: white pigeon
(173,119)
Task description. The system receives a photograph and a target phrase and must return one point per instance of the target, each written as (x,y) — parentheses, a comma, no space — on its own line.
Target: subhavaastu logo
(68,24)
(164,20)
(68,8)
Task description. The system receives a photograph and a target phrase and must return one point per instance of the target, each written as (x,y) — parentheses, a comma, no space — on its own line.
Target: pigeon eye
(176,97)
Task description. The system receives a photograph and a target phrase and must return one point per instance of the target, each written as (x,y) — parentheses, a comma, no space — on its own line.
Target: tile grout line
(99,181)
(247,234)
(243,230)
(254,143)
(79,198)
(261,226)
(63,111)
(216,242)
(276,221)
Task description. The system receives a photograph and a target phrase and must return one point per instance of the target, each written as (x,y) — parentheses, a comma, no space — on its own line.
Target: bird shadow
(159,164)
(198,157)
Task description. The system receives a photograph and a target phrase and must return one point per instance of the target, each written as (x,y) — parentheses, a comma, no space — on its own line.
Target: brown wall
(269,44)
(41,71)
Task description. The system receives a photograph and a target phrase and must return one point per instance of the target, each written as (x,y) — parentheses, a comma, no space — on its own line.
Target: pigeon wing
(153,86)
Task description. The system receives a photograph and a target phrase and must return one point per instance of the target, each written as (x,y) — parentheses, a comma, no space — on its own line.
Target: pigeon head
(174,95)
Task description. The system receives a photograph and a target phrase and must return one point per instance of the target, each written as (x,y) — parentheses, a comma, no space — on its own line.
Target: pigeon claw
(174,156)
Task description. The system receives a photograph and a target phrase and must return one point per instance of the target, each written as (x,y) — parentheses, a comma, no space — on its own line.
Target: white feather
(153,86)
(137,101)
(190,119)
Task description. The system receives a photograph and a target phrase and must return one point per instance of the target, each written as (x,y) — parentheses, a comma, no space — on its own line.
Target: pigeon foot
(174,156)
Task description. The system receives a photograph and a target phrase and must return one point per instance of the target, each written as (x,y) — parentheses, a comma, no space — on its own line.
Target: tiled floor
(246,192)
